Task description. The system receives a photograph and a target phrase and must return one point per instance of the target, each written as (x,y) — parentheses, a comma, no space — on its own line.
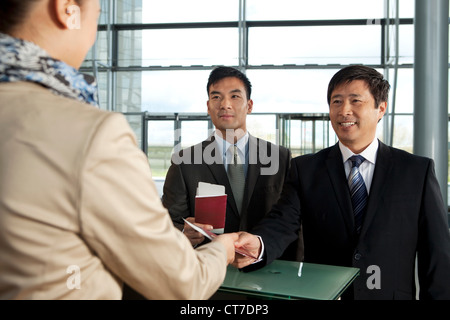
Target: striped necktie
(236,176)
(358,191)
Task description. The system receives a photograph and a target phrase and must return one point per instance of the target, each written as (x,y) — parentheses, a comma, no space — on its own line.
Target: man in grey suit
(265,164)
(402,212)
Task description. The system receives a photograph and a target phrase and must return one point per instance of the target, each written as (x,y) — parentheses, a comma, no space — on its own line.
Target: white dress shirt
(367,167)
(227,154)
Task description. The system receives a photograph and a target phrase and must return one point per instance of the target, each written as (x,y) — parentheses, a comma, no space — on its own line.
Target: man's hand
(252,244)
(195,237)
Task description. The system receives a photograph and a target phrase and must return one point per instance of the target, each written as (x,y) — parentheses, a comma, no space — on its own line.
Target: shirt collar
(370,153)
(224,145)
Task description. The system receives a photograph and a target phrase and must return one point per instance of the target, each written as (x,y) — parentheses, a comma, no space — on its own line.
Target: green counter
(280,280)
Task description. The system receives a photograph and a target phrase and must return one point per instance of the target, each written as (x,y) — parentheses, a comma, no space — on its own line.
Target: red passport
(211,210)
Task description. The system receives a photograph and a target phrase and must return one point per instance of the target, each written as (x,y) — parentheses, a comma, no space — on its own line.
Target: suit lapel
(383,166)
(336,173)
(253,172)
(254,168)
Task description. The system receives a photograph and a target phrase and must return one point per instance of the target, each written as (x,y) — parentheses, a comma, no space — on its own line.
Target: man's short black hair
(220,73)
(378,86)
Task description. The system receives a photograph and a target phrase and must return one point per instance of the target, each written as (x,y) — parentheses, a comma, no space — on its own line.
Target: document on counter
(211,236)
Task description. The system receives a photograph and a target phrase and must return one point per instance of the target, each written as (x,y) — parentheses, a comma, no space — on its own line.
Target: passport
(211,206)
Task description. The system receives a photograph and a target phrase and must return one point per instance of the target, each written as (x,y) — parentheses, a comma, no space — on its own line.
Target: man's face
(353,114)
(228,105)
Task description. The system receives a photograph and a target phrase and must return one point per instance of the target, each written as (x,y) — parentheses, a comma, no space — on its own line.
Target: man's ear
(207,106)
(65,12)
(382,110)
(249,106)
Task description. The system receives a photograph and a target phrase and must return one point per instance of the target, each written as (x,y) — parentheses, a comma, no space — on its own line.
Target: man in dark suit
(265,165)
(402,217)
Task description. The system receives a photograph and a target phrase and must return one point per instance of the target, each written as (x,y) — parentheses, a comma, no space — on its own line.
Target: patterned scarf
(24,61)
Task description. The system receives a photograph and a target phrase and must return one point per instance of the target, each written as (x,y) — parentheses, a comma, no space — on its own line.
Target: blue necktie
(358,191)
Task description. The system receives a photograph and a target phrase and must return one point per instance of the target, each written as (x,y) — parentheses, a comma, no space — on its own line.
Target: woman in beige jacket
(79,212)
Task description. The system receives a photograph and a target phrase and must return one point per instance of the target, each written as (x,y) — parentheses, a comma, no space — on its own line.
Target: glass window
(309,135)
(263,126)
(165,70)
(128,11)
(313,10)
(160,146)
(406,45)
(164,140)
(193,132)
(136,124)
(98,52)
(315,45)
(179,47)
(103,92)
(290,91)
(404,132)
(130,48)
(407,8)
(128,92)
(405,91)
(157,11)
(174,91)
(104,14)
(170,91)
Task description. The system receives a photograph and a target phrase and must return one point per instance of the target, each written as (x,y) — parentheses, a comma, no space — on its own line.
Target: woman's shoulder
(25,96)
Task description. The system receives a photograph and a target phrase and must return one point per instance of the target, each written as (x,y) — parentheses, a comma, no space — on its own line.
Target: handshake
(242,248)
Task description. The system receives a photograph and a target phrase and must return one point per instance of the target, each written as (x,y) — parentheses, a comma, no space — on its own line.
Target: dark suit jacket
(406,215)
(261,191)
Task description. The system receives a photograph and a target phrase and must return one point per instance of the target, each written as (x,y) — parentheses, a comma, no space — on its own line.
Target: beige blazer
(79,212)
